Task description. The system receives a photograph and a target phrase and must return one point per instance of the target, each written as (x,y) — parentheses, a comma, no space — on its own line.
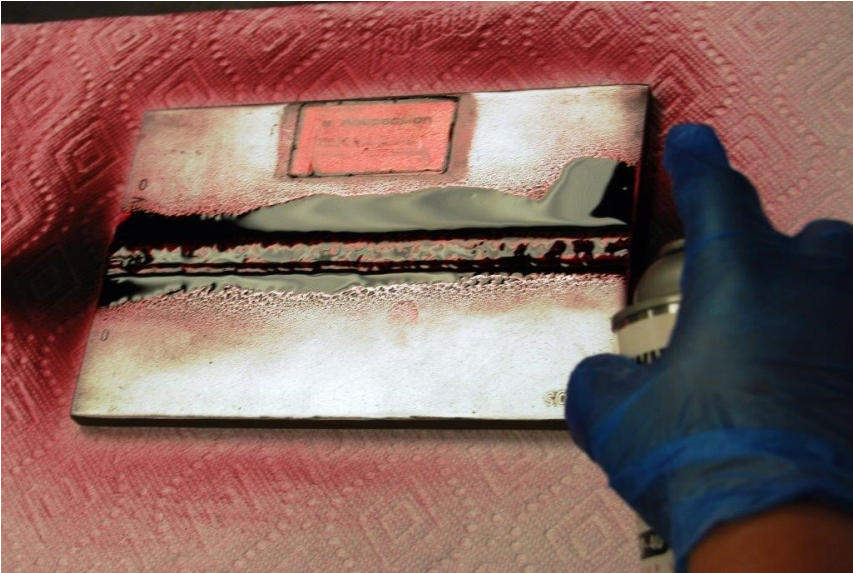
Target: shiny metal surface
(479,348)
(475,347)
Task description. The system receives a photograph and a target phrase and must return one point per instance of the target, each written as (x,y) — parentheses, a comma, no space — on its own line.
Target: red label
(373,137)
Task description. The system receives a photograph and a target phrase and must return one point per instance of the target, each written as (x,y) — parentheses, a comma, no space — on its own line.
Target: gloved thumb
(597,388)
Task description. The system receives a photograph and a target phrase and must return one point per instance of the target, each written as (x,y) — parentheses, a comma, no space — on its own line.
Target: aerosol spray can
(642,332)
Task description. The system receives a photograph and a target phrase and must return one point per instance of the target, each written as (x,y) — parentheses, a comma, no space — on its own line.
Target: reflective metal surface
(292,322)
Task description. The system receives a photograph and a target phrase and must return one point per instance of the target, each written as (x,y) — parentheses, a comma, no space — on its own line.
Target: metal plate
(396,346)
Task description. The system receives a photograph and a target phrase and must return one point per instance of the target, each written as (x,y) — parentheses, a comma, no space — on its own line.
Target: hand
(751,406)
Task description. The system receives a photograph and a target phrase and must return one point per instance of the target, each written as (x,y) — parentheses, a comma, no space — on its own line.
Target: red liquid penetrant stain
(353,138)
(404,312)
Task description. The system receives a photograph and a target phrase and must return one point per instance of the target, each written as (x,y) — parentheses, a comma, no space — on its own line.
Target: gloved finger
(597,387)
(826,237)
(713,200)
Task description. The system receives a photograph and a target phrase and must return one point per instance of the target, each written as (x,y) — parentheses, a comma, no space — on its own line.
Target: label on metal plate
(350,138)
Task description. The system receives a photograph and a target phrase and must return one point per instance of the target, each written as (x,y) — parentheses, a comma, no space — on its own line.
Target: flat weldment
(436,231)
(414,259)
(381,255)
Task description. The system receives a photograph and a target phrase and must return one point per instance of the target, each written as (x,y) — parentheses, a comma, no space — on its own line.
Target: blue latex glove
(751,406)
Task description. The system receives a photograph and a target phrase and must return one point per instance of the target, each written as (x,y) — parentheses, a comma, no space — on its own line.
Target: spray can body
(642,332)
